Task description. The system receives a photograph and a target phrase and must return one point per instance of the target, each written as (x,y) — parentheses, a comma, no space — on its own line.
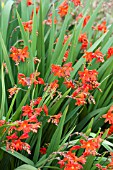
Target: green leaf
(24,35)
(37,148)
(59,44)
(103,68)
(55,141)
(90,115)
(19,156)
(16,115)
(5,19)
(51,40)
(89,162)
(34,36)
(52,167)
(106,144)
(95,45)
(40,42)
(89,127)
(67,136)
(26,43)
(11,107)
(2,110)
(6,58)
(107,39)
(26,167)
(46,5)
(24,11)
(105,95)
(56,106)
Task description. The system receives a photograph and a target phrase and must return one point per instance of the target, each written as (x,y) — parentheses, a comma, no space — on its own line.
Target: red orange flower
(66,55)
(29,2)
(63,71)
(37,111)
(91,145)
(100,167)
(88,76)
(43,150)
(86,19)
(79,16)
(84,40)
(57,70)
(13,136)
(110,52)
(97,54)
(67,68)
(101,27)
(28,26)
(55,119)
(69,84)
(49,20)
(27,127)
(70,161)
(18,145)
(63,8)
(24,136)
(27,111)
(88,56)
(37,9)
(36,101)
(109,116)
(13,91)
(110,130)
(18,55)
(33,79)
(76,2)
(45,109)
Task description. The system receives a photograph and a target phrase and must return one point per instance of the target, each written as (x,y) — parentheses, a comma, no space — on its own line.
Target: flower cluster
(13,91)
(49,20)
(63,71)
(71,161)
(18,55)
(16,142)
(88,79)
(86,19)
(55,118)
(63,9)
(28,26)
(91,145)
(76,2)
(101,27)
(97,55)
(31,124)
(33,79)
(84,40)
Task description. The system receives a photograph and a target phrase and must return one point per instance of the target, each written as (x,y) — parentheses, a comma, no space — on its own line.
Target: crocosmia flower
(19,55)
(110,52)
(76,2)
(29,2)
(63,9)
